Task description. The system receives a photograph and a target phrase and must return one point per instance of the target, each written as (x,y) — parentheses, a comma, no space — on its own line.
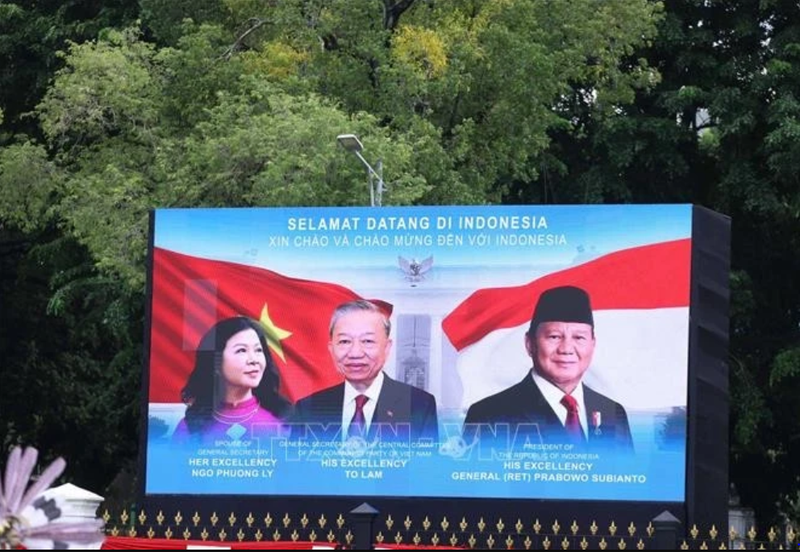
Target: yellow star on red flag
(274,334)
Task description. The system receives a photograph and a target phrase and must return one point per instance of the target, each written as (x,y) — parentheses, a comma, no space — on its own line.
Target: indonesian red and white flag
(190,294)
(640,300)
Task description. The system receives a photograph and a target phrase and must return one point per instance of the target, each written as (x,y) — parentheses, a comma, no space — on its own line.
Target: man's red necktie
(573,423)
(359,421)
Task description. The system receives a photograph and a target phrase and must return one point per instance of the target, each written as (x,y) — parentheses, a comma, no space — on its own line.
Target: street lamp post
(350,142)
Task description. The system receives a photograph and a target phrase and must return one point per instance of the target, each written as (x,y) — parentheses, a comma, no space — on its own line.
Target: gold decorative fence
(336,528)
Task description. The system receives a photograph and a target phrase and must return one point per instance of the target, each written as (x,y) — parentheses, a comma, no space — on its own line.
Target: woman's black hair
(201,392)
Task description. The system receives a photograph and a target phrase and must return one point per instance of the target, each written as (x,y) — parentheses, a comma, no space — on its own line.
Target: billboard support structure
(362,525)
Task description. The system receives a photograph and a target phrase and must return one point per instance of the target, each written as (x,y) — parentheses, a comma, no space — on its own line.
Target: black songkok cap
(562,304)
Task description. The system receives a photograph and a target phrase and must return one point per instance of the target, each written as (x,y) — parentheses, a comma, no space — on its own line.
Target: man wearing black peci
(552,404)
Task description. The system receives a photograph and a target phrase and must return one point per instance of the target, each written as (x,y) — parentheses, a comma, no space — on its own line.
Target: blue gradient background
(250,236)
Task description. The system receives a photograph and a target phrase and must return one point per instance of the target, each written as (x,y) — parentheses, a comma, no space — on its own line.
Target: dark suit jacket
(530,417)
(403,412)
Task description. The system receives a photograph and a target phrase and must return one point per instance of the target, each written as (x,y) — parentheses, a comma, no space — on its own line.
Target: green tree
(487,75)
(31,35)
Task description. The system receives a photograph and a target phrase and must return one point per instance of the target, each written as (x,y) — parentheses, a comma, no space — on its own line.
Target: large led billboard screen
(498,352)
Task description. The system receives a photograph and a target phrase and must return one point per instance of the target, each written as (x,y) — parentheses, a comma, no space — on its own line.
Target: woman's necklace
(231,419)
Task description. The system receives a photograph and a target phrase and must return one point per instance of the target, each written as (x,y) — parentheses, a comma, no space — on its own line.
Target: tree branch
(392,12)
(255,24)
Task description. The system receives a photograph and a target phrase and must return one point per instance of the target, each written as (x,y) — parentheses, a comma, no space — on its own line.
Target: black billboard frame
(706,482)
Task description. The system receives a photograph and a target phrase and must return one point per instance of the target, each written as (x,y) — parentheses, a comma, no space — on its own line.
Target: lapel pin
(596,421)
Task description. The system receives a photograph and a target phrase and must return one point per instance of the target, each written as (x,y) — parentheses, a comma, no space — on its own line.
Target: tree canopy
(118,108)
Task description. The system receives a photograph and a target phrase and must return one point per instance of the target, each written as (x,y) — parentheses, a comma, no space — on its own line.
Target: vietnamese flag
(640,300)
(190,294)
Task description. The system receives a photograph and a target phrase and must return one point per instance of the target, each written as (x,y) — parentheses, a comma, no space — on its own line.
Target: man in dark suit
(368,404)
(552,404)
